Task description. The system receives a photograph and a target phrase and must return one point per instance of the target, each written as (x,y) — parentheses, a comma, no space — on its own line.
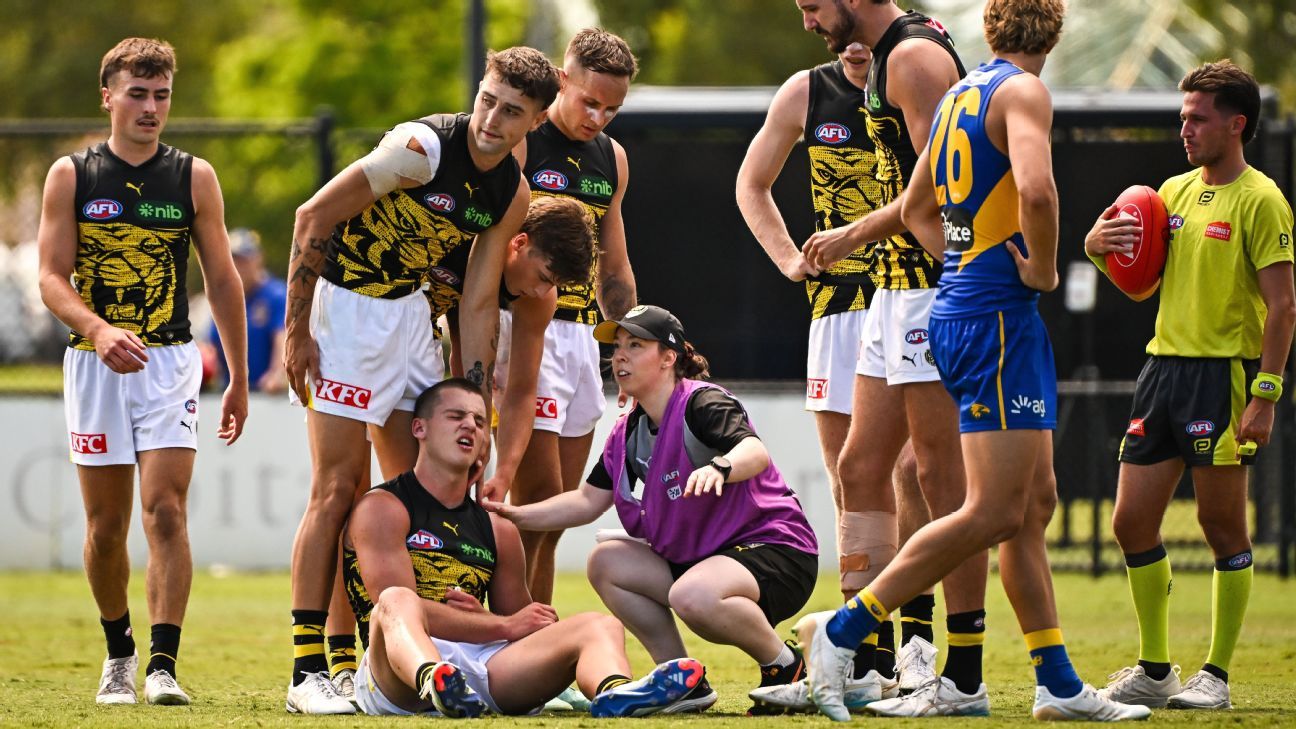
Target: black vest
(901,262)
(133,227)
(394,245)
(447,547)
(843,187)
(585,171)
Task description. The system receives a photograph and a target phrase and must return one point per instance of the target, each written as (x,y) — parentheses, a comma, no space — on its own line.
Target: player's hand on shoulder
(533,617)
(1112,233)
(121,350)
(301,363)
(234,412)
(1038,275)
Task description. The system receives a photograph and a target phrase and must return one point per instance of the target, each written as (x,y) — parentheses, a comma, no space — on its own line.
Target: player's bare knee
(107,533)
(392,602)
(601,564)
(165,519)
(692,601)
(1224,532)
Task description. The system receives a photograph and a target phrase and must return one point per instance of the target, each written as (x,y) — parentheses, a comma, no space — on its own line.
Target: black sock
(308,643)
(865,658)
(1215,671)
(966,633)
(885,660)
(121,642)
(163,649)
(341,653)
(424,674)
(1155,671)
(611,682)
(916,619)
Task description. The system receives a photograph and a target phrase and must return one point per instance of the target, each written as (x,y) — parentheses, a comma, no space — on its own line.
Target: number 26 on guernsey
(953,142)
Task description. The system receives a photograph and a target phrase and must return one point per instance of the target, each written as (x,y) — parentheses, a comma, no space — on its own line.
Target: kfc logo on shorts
(1136,427)
(916,336)
(343,394)
(440,202)
(424,539)
(1200,427)
(1219,231)
(547,408)
(816,389)
(102,209)
(89,443)
(550,180)
(832,133)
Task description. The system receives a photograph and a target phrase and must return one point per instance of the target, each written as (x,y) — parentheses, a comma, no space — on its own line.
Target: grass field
(235,656)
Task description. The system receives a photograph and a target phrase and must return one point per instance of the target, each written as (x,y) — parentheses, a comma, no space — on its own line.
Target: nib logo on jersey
(159,212)
(957,223)
(343,394)
(89,443)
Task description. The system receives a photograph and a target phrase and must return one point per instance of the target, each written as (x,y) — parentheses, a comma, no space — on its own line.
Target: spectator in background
(264,295)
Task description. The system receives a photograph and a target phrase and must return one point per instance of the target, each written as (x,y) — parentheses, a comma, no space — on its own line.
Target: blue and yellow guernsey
(978,198)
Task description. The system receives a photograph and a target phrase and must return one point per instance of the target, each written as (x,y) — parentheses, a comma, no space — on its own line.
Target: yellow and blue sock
(308,643)
(1150,581)
(1230,593)
(856,620)
(1053,669)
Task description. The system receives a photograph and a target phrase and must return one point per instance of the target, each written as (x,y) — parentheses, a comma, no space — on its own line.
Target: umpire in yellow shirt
(1226,300)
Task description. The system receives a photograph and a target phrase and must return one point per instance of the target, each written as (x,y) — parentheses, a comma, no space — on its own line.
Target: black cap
(645,322)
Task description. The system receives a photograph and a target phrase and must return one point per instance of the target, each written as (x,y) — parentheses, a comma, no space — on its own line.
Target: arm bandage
(867,541)
(392,160)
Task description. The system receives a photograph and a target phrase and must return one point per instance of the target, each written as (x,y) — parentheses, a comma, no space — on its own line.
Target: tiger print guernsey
(900,261)
(586,171)
(133,230)
(448,548)
(399,242)
(843,186)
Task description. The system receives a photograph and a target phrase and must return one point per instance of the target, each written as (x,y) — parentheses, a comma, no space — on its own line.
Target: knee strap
(868,541)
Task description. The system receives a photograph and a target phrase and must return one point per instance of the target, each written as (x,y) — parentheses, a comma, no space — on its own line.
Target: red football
(1138,272)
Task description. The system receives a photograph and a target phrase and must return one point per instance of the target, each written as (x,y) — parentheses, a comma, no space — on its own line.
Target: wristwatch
(722,464)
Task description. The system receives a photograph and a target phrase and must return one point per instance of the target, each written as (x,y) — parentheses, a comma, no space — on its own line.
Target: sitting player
(433,557)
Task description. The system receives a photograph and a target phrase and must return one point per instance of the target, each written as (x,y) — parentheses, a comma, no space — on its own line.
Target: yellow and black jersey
(843,187)
(900,261)
(586,171)
(391,248)
(448,548)
(133,228)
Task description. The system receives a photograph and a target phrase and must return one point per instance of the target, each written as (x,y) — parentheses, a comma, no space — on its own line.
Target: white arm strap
(393,160)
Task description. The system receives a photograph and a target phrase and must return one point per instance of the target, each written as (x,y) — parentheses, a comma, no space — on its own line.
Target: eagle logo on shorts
(978,411)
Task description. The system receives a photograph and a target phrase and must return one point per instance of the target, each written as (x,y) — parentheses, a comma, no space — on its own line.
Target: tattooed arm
(343,197)
(616,282)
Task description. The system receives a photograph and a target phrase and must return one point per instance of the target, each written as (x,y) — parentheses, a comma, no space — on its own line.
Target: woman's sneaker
(1202,691)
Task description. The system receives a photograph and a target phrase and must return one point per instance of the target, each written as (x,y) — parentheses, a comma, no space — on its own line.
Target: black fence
(692,253)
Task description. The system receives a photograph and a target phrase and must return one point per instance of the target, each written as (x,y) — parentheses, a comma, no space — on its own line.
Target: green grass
(31,379)
(236,656)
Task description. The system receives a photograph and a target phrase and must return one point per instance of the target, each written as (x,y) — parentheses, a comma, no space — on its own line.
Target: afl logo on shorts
(916,336)
(547,408)
(102,209)
(445,276)
(550,180)
(424,539)
(440,202)
(832,133)
(1200,427)
(191,406)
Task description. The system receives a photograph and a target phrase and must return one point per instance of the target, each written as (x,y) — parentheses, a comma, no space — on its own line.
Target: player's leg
(914,664)
(634,583)
(108,495)
(403,672)
(539,476)
(589,647)
(832,428)
(1222,512)
(340,627)
(717,599)
(164,487)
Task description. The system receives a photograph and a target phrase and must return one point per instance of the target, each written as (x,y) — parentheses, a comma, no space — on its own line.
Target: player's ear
(418,428)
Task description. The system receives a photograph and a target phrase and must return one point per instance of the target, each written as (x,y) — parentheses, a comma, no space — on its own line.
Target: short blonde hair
(1023,26)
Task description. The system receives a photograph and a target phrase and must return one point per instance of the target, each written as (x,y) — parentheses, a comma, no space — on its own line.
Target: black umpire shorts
(785,576)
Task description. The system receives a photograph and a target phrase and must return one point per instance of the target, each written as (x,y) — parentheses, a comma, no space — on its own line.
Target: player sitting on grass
(433,558)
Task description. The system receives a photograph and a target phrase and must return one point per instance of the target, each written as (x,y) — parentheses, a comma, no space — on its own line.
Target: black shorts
(1189,408)
(785,576)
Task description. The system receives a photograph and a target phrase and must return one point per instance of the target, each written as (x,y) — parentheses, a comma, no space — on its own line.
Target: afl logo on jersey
(832,133)
(1176,222)
(440,202)
(102,209)
(424,539)
(916,336)
(445,276)
(550,180)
